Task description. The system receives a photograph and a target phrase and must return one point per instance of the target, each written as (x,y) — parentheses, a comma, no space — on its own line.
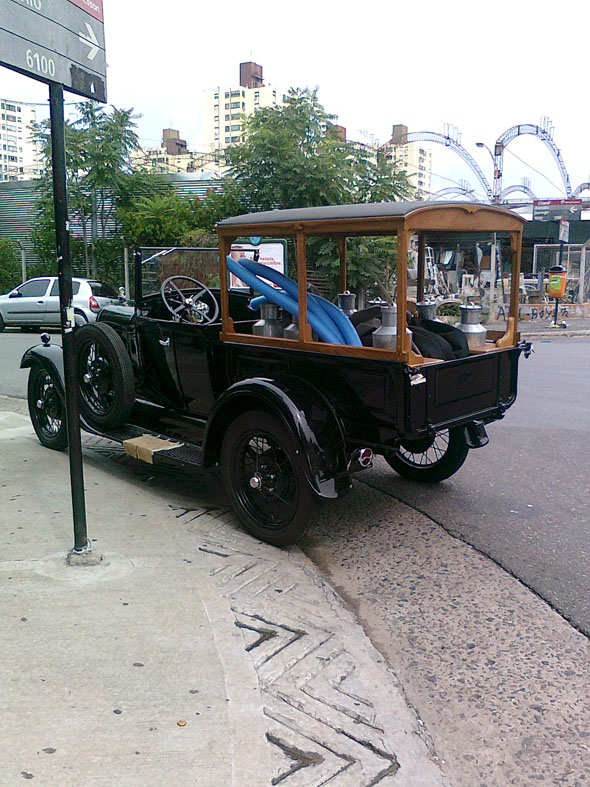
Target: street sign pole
(61,43)
(64,271)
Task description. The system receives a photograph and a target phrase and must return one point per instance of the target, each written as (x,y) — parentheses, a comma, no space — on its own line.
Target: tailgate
(481,386)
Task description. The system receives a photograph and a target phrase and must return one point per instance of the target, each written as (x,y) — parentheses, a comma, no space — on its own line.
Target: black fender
(51,357)
(304,410)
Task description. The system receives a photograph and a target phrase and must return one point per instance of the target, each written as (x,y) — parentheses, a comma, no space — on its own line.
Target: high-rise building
(173,156)
(412,157)
(19,155)
(224,107)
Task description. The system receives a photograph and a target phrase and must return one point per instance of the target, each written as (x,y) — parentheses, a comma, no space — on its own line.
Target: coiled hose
(325,318)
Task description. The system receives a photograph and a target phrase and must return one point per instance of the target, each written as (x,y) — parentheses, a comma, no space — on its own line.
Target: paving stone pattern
(336,712)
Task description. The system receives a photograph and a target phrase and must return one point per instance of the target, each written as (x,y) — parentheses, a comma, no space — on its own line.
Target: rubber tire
(447,466)
(2,324)
(123,379)
(58,441)
(258,422)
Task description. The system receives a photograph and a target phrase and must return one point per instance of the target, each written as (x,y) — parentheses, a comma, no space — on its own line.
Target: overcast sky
(479,66)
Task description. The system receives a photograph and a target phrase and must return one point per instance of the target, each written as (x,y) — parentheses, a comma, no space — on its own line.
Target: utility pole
(23,261)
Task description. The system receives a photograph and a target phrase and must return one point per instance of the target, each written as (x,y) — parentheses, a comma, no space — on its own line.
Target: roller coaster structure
(495,193)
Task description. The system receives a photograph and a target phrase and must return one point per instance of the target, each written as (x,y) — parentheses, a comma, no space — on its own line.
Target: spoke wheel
(104,375)
(263,475)
(431,459)
(46,409)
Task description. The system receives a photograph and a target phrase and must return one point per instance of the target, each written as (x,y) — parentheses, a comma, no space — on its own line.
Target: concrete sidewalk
(541,329)
(190,655)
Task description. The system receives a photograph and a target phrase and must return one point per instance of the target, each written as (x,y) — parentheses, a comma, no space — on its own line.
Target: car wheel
(80,319)
(262,471)
(2,324)
(104,375)
(431,459)
(46,409)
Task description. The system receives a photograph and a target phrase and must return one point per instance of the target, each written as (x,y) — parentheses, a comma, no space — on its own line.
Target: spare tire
(104,375)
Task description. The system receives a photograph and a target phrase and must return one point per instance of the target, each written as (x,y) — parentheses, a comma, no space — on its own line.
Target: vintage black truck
(289,405)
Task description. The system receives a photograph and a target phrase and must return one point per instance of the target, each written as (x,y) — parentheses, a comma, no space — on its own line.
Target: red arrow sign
(93,7)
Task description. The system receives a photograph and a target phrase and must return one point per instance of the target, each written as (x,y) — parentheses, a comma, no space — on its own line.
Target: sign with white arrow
(56,41)
(90,40)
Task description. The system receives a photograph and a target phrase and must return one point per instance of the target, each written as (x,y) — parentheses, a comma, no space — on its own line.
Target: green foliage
(10,272)
(219,204)
(159,220)
(100,181)
(449,310)
(370,263)
(201,239)
(293,156)
(167,219)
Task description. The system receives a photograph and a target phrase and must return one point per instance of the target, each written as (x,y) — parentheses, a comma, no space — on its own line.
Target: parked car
(35,303)
(288,409)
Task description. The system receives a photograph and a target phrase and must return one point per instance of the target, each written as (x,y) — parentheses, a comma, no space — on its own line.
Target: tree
(158,220)
(219,204)
(170,220)
(100,179)
(10,272)
(293,156)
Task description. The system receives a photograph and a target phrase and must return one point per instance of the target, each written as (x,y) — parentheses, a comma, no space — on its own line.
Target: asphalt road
(499,678)
(13,343)
(522,500)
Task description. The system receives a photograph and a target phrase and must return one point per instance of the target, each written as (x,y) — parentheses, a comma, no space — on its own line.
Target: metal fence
(574,257)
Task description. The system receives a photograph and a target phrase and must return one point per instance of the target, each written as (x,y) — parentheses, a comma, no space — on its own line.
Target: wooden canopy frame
(402,219)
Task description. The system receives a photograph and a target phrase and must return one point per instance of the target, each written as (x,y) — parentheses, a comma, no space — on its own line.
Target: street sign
(557,209)
(93,7)
(564,230)
(56,41)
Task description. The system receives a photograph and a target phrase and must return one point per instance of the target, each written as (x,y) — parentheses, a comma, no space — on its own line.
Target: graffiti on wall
(530,312)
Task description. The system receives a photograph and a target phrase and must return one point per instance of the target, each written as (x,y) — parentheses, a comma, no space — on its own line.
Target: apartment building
(19,155)
(412,157)
(173,157)
(223,107)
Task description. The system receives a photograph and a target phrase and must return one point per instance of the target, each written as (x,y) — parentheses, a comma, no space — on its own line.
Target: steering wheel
(191,308)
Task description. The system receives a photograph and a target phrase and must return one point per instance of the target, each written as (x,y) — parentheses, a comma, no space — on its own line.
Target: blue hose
(332,311)
(324,330)
(334,322)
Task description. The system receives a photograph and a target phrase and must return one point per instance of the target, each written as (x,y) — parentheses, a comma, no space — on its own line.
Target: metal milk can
(292,330)
(385,337)
(475,333)
(347,302)
(427,309)
(269,324)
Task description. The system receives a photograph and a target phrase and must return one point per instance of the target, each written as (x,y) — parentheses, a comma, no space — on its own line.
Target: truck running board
(155,450)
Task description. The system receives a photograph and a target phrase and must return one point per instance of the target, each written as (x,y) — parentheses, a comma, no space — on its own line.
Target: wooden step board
(152,449)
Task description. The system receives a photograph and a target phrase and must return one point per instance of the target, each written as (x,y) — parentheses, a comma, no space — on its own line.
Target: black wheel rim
(264,479)
(427,452)
(47,405)
(95,378)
